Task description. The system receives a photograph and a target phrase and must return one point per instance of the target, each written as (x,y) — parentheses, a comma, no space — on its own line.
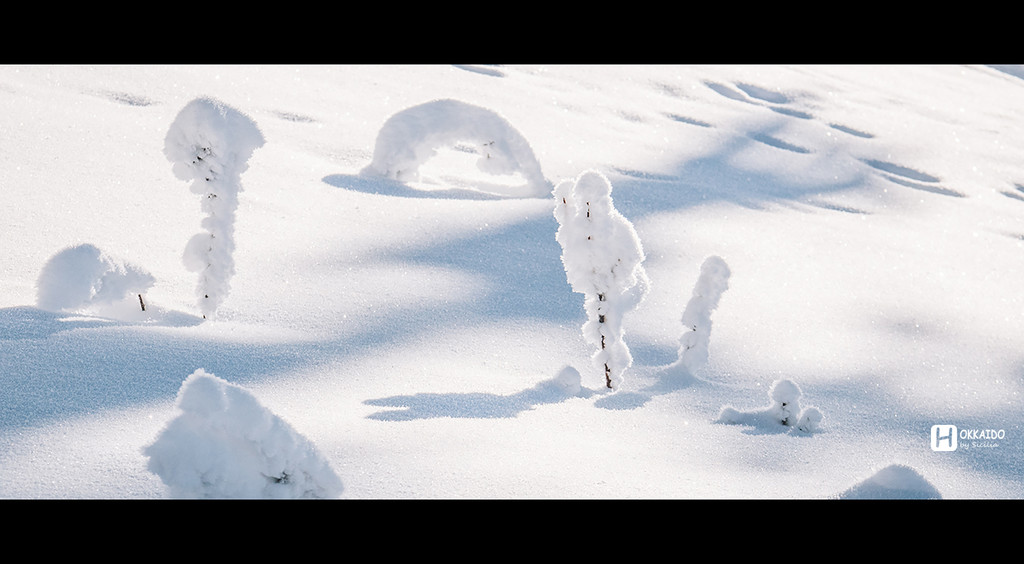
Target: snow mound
(411,137)
(567,382)
(210,145)
(225,444)
(893,482)
(85,277)
(783,411)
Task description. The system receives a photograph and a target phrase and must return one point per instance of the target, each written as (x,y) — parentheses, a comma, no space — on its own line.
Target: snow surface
(422,336)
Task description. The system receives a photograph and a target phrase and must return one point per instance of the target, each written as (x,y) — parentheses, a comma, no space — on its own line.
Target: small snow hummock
(895,481)
(411,137)
(603,260)
(225,444)
(210,144)
(84,277)
(694,343)
(783,411)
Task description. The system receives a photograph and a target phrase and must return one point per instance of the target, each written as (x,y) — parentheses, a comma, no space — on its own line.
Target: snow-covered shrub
(411,137)
(693,345)
(784,411)
(225,444)
(210,144)
(83,277)
(603,260)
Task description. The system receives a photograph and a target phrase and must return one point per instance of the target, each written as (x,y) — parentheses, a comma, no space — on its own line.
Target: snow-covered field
(387,322)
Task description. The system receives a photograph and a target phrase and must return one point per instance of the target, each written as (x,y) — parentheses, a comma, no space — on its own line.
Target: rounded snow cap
(593,187)
(785,391)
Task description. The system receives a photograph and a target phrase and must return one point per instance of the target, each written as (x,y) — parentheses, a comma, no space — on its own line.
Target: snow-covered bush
(225,444)
(693,345)
(603,260)
(411,137)
(210,144)
(83,277)
(784,410)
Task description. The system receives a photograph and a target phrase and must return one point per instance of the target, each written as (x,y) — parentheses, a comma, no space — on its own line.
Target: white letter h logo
(943,437)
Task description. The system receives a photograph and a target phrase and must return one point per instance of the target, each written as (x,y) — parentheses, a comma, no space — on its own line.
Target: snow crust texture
(84,276)
(411,137)
(603,260)
(209,144)
(225,444)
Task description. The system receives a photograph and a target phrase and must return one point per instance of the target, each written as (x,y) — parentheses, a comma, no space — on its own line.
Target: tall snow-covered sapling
(210,144)
(603,257)
(693,345)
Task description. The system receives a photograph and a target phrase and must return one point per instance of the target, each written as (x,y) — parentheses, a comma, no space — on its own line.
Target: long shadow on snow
(54,369)
(715,178)
(468,405)
(57,365)
(522,265)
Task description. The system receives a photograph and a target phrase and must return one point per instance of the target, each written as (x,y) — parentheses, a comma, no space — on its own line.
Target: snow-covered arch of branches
(412,136)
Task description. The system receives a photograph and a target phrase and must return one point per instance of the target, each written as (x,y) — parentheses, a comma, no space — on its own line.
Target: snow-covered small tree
(693,345)
(603,260)
(85,277)
(209,144)
(225,444)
